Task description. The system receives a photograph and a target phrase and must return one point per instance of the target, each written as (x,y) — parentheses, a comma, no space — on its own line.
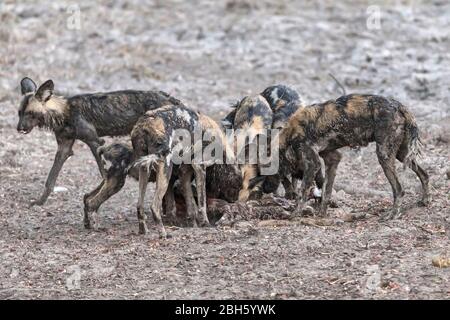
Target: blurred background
(209,53)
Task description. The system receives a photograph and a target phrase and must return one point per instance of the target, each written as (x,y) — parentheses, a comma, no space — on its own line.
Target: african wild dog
(295,169)
(252,116)
(284,102)
(353,120)
(277,96)
(154,148)
(223,181)
(85,117)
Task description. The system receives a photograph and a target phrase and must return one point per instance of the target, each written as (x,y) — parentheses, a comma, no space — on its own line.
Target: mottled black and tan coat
(85,117)
(284,102)
(319,130)
(153,147)
(250,118)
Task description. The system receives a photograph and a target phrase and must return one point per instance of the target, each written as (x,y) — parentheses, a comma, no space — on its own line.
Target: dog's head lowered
(39,107)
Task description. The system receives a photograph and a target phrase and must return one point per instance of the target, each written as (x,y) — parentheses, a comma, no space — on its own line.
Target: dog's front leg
(290,191)
(64,152)
(163,174)
(200,182)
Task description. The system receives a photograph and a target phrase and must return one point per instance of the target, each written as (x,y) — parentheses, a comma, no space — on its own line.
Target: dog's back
(153,132)
(115,113)
(347,121)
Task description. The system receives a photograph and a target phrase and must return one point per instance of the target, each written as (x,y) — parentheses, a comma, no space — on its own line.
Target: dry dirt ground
(208,55)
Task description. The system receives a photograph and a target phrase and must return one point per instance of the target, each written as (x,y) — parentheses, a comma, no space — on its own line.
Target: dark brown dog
(85,117)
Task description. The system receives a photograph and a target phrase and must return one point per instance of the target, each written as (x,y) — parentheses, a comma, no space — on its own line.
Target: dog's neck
(55,113)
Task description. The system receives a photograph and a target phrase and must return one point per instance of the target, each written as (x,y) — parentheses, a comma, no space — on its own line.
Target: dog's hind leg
(386,158)
(170,208)
(249,171)
(94,145)
(64,152)
(290,187)
(424,180)
(93,200)
(87,133)
(331,160)
(312,164)
(418,170)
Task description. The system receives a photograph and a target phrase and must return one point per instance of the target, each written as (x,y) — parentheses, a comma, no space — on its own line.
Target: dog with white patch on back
(156,145)
(319,130)
(84,117)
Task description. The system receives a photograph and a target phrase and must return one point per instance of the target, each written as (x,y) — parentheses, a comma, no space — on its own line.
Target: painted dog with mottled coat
(154,149)
(318,131)
(251,117)
(284,101)
(85,117)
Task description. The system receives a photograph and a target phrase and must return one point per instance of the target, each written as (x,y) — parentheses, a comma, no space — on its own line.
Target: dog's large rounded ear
(45,91)
(27,85)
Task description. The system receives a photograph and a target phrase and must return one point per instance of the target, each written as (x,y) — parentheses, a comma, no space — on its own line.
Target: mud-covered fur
(85,117)
(252,116)
(223,181)
(153,144)
(318,131)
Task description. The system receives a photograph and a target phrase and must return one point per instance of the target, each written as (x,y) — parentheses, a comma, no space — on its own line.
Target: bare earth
(208,55)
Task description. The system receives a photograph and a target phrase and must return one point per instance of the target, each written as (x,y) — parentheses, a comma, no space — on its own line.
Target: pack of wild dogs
(308,139)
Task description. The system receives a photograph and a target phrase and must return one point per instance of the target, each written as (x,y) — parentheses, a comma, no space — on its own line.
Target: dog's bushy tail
(413,136)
